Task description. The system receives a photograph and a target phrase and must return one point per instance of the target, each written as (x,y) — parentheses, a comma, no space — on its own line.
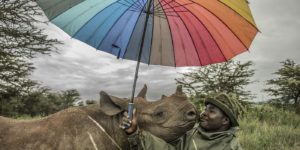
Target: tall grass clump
(265,127)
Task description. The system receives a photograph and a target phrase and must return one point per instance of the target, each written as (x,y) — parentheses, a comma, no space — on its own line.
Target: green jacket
(196,139)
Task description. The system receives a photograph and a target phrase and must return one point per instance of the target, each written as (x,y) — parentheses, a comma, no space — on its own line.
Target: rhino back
(67,129)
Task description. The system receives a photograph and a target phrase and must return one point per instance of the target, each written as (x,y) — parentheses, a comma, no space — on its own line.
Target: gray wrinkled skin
(69,129)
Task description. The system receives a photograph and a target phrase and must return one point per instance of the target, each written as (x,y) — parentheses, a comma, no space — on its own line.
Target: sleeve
(235,144)
(142,140)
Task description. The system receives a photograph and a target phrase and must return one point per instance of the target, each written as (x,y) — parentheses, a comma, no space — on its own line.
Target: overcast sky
(80,66)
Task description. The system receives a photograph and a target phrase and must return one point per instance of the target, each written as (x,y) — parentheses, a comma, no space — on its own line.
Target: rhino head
(168,118)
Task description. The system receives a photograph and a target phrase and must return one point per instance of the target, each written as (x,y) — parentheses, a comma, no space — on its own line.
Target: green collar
(214,135)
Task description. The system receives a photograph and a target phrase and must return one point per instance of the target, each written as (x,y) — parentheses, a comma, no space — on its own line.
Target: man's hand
(129,126)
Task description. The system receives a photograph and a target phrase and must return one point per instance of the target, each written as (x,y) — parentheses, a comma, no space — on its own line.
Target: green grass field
(268,128)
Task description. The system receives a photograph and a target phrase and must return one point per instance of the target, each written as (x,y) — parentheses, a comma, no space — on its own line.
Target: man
(216,130)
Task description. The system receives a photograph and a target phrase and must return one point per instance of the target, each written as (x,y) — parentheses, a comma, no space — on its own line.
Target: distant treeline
(40,102)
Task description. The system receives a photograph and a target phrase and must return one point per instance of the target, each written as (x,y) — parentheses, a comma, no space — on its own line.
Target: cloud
(82,67)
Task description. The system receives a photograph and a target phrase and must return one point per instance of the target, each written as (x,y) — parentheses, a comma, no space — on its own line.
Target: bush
(270,128)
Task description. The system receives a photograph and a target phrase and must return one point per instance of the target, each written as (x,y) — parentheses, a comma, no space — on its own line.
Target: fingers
(133,113)
(129,125)
(125,114)
(123,126)
(126,122)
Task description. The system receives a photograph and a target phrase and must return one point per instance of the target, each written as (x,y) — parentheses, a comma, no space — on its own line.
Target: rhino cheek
(169,134)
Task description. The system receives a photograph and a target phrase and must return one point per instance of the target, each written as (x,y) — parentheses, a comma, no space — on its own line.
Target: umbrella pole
(131,104)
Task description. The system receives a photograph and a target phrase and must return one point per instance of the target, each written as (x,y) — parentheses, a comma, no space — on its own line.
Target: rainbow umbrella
(159,32)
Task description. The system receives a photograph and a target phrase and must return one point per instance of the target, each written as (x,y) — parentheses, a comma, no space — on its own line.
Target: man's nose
(203,113)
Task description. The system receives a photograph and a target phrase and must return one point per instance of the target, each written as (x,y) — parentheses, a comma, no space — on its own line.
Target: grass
(268,128)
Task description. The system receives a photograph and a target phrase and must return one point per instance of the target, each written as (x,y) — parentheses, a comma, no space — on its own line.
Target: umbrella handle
(129,115)
(130,110)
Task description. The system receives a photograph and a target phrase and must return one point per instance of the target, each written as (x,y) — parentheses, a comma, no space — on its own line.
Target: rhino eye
(159,114)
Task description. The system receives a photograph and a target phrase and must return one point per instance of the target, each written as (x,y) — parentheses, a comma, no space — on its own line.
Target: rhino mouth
(187,124)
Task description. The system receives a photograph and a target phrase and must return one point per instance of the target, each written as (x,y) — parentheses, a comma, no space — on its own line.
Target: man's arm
(235,144)
(142,140)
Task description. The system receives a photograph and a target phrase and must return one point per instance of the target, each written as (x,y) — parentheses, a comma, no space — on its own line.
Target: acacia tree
(229,77)
(69,97)
(285,88)
(20,41)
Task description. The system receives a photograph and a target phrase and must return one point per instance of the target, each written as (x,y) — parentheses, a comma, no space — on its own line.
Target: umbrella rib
(209,34)
(132,33)
(254,25)
(172,11)
(55,4)
(99,27)
(137,8)
(179,5)
(224,24)
(92,18)
(156,6)
(82,13)
(159,15)
(171,38)
(150,51)
(134,10)
(134,3)
(190,37)
(162,5)
(140,4)
(110,30)
(53,17)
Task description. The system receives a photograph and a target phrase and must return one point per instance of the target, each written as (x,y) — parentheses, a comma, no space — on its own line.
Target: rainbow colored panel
(176,33)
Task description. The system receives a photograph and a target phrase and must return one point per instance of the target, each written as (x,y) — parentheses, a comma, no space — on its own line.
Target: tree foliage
(39,102)
(90,102)
(285,87)
(229,77)
(20,40)
(19,34)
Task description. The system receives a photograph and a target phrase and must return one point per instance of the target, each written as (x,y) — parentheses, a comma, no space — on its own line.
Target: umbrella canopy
(167,32)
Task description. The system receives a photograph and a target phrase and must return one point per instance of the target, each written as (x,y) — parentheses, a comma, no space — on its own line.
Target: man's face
(212,119)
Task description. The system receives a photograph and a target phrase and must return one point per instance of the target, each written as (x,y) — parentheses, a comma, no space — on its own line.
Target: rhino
(97,126)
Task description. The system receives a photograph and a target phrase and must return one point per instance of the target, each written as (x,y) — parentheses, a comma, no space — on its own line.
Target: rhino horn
(111,105)
(143,92)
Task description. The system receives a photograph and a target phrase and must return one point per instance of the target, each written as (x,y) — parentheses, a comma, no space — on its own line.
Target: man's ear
(111,105)
(226,121)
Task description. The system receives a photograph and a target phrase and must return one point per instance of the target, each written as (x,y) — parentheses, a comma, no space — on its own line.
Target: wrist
(131,130)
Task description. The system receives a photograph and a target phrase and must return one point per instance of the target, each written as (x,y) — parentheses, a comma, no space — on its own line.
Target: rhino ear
(111,105)
(179,90)
(143,92)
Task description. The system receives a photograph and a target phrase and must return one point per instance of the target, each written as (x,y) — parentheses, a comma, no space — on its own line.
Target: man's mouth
(203,120)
